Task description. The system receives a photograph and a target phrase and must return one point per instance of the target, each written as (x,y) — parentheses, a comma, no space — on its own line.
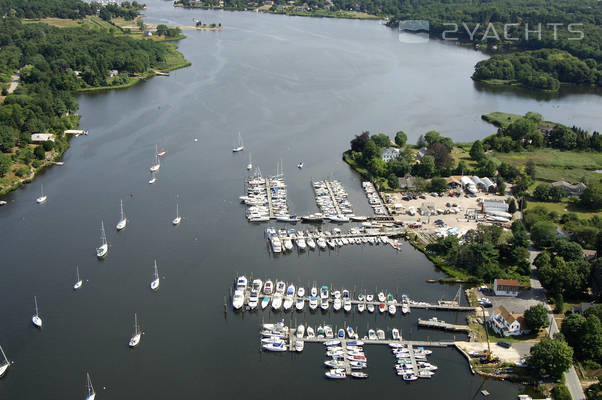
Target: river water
(297,89)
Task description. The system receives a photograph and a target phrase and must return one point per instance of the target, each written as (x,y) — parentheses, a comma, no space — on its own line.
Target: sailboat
(37,321)
(240,146)
(3,364)
(78,282)
(300,165)
(42,198)
(153,178)
(123,221)
(155,283)
(137,333)
(162,152)
(250,164)
(104,247)
(155,167)
(91,392)
(177,219)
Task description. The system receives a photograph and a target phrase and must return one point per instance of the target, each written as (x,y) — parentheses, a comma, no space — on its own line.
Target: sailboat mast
(89,384)
(121,202)
(35,301)
(77,270)
(103,236)
(3,355)
(156,272)
(135,324)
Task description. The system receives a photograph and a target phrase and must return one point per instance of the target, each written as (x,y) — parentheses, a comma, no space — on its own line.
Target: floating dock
(436,324)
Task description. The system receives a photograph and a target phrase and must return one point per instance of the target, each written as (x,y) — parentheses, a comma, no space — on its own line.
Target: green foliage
(511,205)
(530,169)
(550,357)
(536,317)
(426,167)
(561,392)
(360,141)
(543,233)
(381,140)
(442,155)
(438,185)
(39,153)
(477,152)
(559,276)
(584,334)
(401,138)
(5,163)
(591,198)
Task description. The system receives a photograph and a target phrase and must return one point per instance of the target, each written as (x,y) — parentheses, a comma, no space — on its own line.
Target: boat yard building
(507,324)
(506,287)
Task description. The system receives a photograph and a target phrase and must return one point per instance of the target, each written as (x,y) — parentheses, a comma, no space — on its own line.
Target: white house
(390,153)
(505,323)
(505,287)
(42,137)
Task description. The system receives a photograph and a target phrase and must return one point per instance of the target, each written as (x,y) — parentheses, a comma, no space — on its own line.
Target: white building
(505,323)
(505,287)
(390,153)
(42,137)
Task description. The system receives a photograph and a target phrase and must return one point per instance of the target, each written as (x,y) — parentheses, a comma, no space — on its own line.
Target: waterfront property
(504,323)
(506,287)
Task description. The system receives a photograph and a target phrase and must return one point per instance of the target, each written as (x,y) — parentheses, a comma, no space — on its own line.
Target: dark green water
(297,89)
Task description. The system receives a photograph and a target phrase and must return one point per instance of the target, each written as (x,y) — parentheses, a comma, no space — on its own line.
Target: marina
(374,199)
(438,324)
(332,200)
(260,294)
(344,347)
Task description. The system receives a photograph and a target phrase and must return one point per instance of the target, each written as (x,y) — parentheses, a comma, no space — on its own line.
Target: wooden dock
(333,199)
(269,194)
(442,325)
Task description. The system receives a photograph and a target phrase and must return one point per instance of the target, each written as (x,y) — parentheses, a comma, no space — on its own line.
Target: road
(14,82)
(571,379)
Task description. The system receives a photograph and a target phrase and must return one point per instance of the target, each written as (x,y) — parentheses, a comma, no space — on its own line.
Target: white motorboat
(380,334)
(103,249)
(4,364)
(405,308)
(257,285)
(321,243)
(382,307)
(372,334)
(409,376)
(359,375)
(280,287)
(268,287)
(311,243)
(370,307)
(347,304)
(122,221)
(279,346)
(395,334)
(300,303)
(331,243)
(330,334)
(177,219)
(381,297)
(337,304)
(43,197)
(78,282)
(241,282)
(250,164)
(265,302)
(288,243)
(135,340)
(288,302)
(238,146)
(153,179)
(313,302)
(91,393)
(392,309)
(277,301)
(253,299)
(369,297)
(336,374)
(157,164)
(425,373)
(313,291)
(300,165)
(300,291)
(299,345)
(37,321)
(300,331)
(301,244)
(162,152)
(310,332)
(155,283)
(335,363)
(238,299)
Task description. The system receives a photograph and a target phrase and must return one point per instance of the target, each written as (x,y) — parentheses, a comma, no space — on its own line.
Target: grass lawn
(461,152)
(500,119)
(563,208)
(555,165)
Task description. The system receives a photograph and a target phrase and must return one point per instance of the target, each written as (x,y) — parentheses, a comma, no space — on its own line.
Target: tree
(561,392)
(591,198)
(550,357)
(393,181)
(530,169)
(420,142)
(39,153)
(542,192)
(162,30)
(360,142)
(370,151)
(520,237)
(401,138)
(426,167)
(438,185)
(501,187)
(432,137)
(7,138)
(381,140)
(543,233)
(511,205)
(568,250)
(556,193)
(442,156)
(477,152)
(4,165)
(536,317)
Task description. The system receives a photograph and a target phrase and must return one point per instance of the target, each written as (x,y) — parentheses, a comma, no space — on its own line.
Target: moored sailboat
(155,283)
(37,321)
(90,388)
(122,221)
(78,282)
(42,198)
(103,249)
(157,164)
(3,364)
(177,219)
(135,340)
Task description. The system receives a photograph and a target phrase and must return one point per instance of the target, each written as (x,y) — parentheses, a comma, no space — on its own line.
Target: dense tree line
(48,58)
(486,253)
(73,9)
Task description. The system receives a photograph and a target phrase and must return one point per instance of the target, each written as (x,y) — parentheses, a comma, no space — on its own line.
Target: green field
(555,165)
(500,119)
(563,208)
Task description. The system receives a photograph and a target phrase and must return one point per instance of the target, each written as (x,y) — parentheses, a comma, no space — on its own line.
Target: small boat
(265,302)
(279,346)
(358,218)
(241,282)
(155,283)
(381,297)
(162,152)
(310,332)
(299,345)
(382,307)
(369,297)
(122,221)
(103,249)
(78,282)
(238,146)
(280,287)
(347,304)
(424,373)
(395,334)
(335,363)
(4,364)
(409,377)
(153,179)
(350,332)
(405,308)
(177,219)
(42,198)
(331,342)
(300,304)
(268,287)
(250,164)
(336,374)
(90,388)
(361,307)
(311,243)
(337,304)
(37,321)
(313,291)
(392,309)
(238,299)
(328,332)
(277,301)
(135,340)
(321,243)
(359,375)
(287,218)
(157,164)
(380,334)
(313,302)
(300,165)
(331,243)
(300,331)
(301,244)
(257,285)
(370,307)
(372,334)
(341,333)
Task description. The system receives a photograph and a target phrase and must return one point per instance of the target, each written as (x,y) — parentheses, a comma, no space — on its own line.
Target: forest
(72,9)
(53,64)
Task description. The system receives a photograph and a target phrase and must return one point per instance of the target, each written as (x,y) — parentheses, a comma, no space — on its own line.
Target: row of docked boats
(332,200)
(260,294)
(374,199)
(346,358)
(411,363)
(256,198)
(284,240)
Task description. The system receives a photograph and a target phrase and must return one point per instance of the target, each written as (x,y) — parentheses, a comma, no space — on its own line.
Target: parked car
(504,344)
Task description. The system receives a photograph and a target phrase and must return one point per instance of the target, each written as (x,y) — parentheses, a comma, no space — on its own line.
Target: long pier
(442,325)
(333,199)
(269,193)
